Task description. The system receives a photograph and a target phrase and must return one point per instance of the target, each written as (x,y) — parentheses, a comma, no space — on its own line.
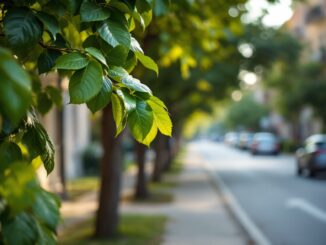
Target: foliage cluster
(91,43)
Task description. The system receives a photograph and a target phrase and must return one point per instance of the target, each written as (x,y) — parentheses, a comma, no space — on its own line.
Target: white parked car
(265,143)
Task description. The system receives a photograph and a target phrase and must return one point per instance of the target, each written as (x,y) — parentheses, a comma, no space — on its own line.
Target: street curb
(257,237)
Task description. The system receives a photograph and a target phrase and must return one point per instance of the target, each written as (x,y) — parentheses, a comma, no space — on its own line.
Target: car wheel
(311,173)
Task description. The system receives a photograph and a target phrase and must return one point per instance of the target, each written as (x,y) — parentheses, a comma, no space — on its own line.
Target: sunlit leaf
(71,61)
(140,120)
(114,33)
(86,84)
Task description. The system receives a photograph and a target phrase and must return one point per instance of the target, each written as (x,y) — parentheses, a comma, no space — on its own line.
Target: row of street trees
(97,45)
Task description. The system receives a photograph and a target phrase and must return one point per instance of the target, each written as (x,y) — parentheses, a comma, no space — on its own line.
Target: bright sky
(277,13)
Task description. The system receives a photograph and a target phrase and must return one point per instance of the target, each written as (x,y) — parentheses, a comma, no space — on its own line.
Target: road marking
(307,207)
(253,231)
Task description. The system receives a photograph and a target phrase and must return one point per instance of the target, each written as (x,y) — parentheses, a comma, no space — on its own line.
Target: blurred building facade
(70,130)
(308,24)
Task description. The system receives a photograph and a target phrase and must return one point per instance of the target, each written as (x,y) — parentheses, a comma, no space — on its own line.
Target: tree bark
(159,158)
(108,212)
(141,189)
(60,119)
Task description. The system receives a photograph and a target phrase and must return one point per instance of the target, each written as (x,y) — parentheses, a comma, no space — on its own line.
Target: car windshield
(321,145)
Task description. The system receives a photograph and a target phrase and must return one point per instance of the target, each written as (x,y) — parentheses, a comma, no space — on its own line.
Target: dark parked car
(264,143)
(312,156)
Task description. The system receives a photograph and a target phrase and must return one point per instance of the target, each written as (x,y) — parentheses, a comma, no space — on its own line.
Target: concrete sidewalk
(198,215)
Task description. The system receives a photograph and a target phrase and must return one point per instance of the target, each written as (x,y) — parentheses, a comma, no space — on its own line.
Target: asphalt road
(285,208)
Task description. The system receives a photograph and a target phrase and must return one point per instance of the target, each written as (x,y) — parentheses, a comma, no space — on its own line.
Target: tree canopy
(91,43)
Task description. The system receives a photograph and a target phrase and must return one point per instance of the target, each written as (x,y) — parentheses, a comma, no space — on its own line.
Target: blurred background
(245,85)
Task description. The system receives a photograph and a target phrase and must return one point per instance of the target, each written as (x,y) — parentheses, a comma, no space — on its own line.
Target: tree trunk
(60,153)
(141,190)
(60,148)
(108,214)
(159,158)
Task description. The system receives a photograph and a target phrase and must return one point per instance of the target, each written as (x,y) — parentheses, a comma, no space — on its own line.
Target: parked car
(264,143)
(246,140)
(231,138)
(312,156)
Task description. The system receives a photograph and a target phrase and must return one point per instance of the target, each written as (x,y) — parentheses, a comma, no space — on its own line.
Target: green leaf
(151,135)
(161,116)
(50,23)
(97,54)
(114,33)
(117,73)
(55,95)
(140,120)
(46,60)
(46,209)
(128,99)
(103,98)
(118,113)
(90,11)
(131,62)
(44,103)
(130,3)
(22,29)
(71,61)
(117,56)
(38,143)
(72,5)
(147,62)
(135,46)
(21,230)
(86,83)
(15,88)
(134,84)
(9,153)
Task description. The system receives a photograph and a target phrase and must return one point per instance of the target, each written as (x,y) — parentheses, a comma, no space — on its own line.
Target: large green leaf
(118,113)
(103,98)
(21,230)
(50,23)
(72,61)
(90,11)
(147,62)
(114,33)
(140,120)
(15,88)
(161,116)
(46,209)
(86,84)
(22,28)
(97,54)
(135,84)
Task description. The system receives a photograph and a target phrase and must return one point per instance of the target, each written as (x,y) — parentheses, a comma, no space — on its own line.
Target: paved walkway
(198,215)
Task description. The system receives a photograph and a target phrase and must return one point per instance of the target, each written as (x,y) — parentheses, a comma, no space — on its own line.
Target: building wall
(76,128)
